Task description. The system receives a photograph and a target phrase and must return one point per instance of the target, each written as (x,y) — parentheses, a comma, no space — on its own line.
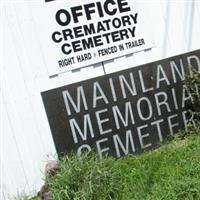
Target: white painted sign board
(79,33)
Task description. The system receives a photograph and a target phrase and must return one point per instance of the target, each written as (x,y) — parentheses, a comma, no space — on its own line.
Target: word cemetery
(76,34)
(124,112)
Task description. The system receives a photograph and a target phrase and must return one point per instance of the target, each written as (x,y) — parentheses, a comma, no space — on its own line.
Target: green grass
(171,172)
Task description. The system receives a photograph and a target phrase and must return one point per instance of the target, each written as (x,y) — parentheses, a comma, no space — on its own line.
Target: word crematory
(80,33)
(124,112)
(103,28)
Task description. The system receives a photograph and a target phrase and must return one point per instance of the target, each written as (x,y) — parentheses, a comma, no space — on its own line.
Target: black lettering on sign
(123,112)
(77,31)
(108,7)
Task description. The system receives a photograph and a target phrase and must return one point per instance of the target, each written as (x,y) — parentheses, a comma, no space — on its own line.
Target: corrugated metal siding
(27,142)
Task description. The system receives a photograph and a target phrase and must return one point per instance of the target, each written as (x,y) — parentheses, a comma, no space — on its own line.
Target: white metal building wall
(26,141)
